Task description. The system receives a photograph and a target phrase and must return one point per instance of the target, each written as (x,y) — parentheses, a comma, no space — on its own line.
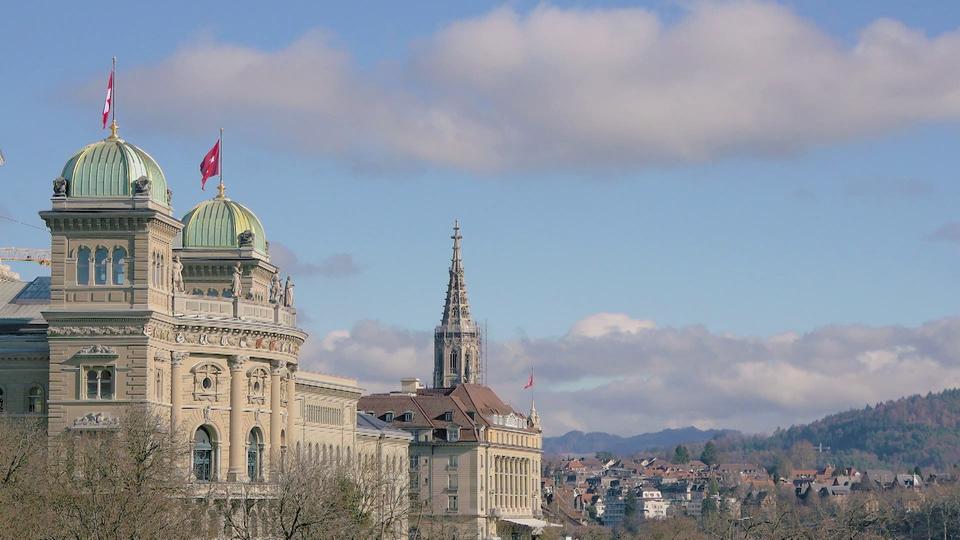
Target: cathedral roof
(110,168)
(219,223)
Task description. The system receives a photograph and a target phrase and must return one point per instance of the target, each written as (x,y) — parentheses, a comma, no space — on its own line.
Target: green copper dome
(219,223)
(113,168)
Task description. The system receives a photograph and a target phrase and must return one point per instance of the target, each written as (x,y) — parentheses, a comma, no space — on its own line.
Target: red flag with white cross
(210,166)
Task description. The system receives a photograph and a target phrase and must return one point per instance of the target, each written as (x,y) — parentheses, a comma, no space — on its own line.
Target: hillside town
(606,490)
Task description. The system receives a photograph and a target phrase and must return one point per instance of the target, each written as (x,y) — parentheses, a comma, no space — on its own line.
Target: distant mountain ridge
(578,442)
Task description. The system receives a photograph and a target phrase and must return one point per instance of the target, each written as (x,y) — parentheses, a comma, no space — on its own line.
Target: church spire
(457,339)
(456,309)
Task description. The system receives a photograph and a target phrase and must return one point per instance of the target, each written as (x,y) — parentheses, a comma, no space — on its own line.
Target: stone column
(276,418)
(237,467)
(176,392)
(292,435)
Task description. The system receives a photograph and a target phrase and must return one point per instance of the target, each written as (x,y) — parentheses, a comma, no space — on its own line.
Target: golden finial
(220,190)
(113,131)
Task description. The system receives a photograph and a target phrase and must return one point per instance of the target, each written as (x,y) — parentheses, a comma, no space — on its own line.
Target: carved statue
(288,293)
(169,197)
(245,239)
(236,288)
(141,186)
(177,275)
(276,290)
(59,187)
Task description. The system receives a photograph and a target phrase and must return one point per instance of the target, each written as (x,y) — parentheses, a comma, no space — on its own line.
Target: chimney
(410,385)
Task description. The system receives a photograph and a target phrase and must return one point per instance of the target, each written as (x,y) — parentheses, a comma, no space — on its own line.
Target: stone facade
(128,316)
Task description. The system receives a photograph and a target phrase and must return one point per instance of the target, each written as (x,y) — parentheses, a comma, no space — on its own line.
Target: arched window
(35,401)
(119,266)
(203,455)
(100,383)
(453,360)
(254,454)
(83,266)
(100,266)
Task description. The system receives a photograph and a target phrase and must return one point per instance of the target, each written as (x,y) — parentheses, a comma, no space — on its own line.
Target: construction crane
(39,256)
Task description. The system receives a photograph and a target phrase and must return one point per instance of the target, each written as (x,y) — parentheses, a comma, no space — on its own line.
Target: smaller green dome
(111,168)
(219,223)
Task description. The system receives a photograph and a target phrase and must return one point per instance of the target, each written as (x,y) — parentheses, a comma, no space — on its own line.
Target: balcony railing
(203,307)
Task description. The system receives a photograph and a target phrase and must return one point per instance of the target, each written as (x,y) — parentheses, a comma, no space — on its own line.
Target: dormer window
(448,416)
(407,416)
(453,434)
(388,416)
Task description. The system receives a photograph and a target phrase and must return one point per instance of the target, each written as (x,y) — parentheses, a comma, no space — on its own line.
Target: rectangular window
(414,463)
(453,461)
(100,382)
(452,505)
(452,481)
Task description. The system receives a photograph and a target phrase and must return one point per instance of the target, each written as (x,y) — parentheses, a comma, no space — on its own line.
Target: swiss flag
(108,103)
(529,382)
(210,166)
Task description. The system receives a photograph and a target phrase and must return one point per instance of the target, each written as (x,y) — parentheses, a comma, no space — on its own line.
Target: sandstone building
(186,316)
(474,460)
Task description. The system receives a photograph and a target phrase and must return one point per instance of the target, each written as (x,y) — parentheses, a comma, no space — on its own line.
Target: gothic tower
(456,342)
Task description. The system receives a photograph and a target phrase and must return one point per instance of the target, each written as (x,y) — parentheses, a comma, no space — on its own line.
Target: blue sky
(833,224)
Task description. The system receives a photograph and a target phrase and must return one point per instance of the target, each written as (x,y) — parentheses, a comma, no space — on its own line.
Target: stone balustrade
(204,307)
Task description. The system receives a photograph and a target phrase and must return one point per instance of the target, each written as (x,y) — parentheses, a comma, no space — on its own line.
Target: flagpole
(113,94)
(220,157)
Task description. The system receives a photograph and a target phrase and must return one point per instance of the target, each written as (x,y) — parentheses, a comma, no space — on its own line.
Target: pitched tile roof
(470,406)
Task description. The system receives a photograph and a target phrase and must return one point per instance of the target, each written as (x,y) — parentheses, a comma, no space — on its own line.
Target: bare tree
(115,483)
(22,469)
(317,500)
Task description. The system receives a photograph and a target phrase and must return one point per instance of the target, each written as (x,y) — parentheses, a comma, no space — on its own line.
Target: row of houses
(608,491)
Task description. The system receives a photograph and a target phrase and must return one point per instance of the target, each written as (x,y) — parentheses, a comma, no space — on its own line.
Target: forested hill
(911,431)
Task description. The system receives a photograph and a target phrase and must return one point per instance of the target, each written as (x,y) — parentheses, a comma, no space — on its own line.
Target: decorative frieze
(126,330)
(97,351)
(245,339)
(96,421)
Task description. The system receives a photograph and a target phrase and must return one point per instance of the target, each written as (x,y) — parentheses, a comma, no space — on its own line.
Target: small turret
(533,420)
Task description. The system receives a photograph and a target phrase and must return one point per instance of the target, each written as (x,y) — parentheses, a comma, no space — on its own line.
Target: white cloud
(555,88)
(631,382)
(603,324)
